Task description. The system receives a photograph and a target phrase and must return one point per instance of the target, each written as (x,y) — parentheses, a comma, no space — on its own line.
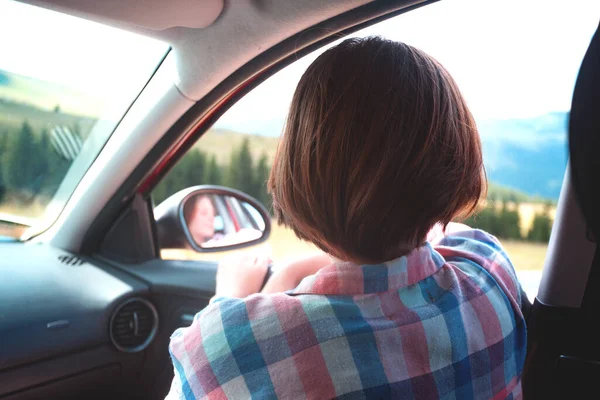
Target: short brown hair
(378,147)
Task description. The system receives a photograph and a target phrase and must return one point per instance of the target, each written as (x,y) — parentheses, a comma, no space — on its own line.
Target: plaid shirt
(442,322)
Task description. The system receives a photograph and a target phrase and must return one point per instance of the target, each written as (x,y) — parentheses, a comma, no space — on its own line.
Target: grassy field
(284,246)
(12,116)
(524,255)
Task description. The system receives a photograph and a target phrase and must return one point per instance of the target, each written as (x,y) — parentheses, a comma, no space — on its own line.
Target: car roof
(220,39)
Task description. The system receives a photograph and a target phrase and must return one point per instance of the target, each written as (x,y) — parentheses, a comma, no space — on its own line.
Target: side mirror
(211,219)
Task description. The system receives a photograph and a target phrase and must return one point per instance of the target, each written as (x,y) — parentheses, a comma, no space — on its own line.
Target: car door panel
(195,279)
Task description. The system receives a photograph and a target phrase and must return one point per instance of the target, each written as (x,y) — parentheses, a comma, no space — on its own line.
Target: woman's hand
(289,276)
(241,275)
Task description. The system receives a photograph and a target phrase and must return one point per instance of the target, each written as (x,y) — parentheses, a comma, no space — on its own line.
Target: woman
(379,154)
(200,217)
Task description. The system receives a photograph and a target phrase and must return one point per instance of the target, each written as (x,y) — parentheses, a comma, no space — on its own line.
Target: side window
(61,97)
(237,152)
(517,73)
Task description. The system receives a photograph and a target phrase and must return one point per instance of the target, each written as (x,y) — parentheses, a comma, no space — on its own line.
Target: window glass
(516,64)
(65,83)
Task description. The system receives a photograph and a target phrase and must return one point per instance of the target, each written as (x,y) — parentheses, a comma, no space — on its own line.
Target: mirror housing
(210,218)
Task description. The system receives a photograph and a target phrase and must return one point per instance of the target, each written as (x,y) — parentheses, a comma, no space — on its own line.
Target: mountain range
(527,154)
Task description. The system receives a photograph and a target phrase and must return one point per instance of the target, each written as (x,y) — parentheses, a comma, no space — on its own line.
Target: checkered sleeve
(218,355)
(197,350)
(175,391)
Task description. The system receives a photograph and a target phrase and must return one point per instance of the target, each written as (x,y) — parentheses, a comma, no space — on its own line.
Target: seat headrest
(584,136)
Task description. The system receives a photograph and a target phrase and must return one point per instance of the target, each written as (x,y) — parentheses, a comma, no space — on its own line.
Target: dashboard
(89,327)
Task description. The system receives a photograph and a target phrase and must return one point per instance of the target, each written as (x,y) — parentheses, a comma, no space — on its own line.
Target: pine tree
(41,162)
(485,219)
(3,148)
(3,142)
(503,224)
(19,167)
(159,194)
(189,171)
(261,176)
(241,171)
(169,185)
(541,226)
(193,169)
(214,175)
(41,152)
(510,223)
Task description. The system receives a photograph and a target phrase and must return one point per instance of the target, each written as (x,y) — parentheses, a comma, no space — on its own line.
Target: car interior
(87,304)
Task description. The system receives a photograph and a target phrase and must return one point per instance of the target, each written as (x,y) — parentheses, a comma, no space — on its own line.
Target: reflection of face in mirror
(220,220)
(201,218)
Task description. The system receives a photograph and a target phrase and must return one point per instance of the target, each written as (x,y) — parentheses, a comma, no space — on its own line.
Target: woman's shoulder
(480,248)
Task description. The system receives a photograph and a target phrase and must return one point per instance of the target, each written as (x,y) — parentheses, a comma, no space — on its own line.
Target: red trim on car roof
(192,135)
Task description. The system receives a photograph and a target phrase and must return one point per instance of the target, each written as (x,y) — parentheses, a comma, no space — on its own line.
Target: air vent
(73,261)
(133,325)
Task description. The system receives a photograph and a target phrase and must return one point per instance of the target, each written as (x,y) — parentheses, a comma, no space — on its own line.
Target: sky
(510,58)
(90,66)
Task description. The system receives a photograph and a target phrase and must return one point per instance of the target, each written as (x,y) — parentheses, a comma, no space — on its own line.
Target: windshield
(65,83)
